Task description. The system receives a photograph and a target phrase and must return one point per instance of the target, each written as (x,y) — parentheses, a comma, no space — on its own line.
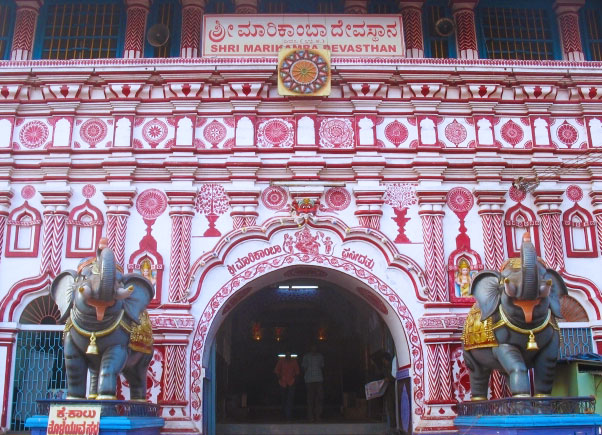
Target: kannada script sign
(265,35)
(74,420)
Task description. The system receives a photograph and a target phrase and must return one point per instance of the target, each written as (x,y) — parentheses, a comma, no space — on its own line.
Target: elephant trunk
(105,295)
(529,289)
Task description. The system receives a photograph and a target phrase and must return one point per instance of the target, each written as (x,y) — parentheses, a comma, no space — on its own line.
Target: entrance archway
(228,279)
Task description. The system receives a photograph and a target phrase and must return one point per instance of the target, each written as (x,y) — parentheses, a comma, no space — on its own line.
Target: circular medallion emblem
(512,133)
(274,198)
(151,203)
(88,191)
(214,133)
(336,133)
(574,193)
(93,131)
(33,134)
(304,72)
(337,198)
(516,195)
(154,131)
(28,191)
(455,132)
(460,200)
(396,133)
(567,134)
(275,133)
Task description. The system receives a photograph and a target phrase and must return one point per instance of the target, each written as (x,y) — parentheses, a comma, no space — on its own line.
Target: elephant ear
(142,294)
(558,290)
(486,290)
(61,291)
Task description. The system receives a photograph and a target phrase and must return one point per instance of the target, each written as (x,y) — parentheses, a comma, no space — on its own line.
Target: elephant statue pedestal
(529,416)
(117,417)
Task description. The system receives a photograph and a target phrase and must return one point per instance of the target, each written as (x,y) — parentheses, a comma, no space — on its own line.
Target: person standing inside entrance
(287,370)
(313,364)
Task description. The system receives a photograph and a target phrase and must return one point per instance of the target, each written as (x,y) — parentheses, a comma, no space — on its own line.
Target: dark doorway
(287,318)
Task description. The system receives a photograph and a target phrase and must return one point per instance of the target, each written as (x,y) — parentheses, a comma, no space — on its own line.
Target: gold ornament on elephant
(478,333)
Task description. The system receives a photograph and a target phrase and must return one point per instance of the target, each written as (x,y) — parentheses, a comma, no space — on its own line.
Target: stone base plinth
(544,424)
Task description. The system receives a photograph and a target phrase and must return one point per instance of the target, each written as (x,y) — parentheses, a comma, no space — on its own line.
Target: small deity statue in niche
(147,271)
(463,278)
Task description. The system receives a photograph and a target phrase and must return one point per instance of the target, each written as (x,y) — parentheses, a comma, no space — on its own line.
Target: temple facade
(427,162)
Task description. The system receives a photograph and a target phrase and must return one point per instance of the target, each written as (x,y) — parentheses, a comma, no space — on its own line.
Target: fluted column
(245,6)
(411,12)
(432,213)
(548,208)
(356,7)
(192,17)
(490,204)
(56,204)
(369,201)
(596,196)
(466,34)
(118,204)
(135,28)
(5,197)
(567,12)
(243,203)
(25,29)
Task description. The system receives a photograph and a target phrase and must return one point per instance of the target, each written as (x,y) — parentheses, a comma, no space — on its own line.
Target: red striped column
(5,198)
(118,204)
(369,203)
(466,34)
(25,29)
(567,12)
(56,203)
(245,6)
(596,196)
(548,208)
(490,204)
(192,17)
(411,13)
(431,213)
(135,28)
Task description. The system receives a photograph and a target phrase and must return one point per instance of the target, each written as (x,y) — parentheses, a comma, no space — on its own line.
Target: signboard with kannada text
(74,420)
(267,34)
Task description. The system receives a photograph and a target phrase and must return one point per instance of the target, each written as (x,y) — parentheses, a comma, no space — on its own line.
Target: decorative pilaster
(118,204)
(245,6)
(490,204)
(567,12)
(466,34)
(596,196)
(192,16)
(411,12)
(369,202)
(243,203)
(135,28)
(548,208)
(5,196)
(25,29)
(432,213)
(56,204)
(181,203)
(356,7)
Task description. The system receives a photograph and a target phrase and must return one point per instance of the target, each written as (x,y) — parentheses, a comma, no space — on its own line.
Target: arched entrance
(255,265)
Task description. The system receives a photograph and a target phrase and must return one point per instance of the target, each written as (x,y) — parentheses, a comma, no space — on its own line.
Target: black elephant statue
(107,329)
(512,326)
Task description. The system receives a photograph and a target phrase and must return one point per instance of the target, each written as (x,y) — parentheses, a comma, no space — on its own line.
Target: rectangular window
(383,7)
(6,20)
(167,13)
(435,44)
(219,7)
(517,32)
(81,30)
(591,29)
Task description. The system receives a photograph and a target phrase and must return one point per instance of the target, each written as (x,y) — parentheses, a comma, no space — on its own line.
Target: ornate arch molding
(285,243)
(586,293)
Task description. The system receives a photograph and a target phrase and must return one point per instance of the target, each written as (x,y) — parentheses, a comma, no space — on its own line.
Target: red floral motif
(33,134)
(512,133)
(214,133)
(336,133)
(93,131)
(574,193)
(337,198)
(212,199)
(516,195)
(154,132)
(567,134)
(396,133)
(455,132)
(274,198)
(88,191)
(275,133)
(28,191)
(151,204)
(460,200)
